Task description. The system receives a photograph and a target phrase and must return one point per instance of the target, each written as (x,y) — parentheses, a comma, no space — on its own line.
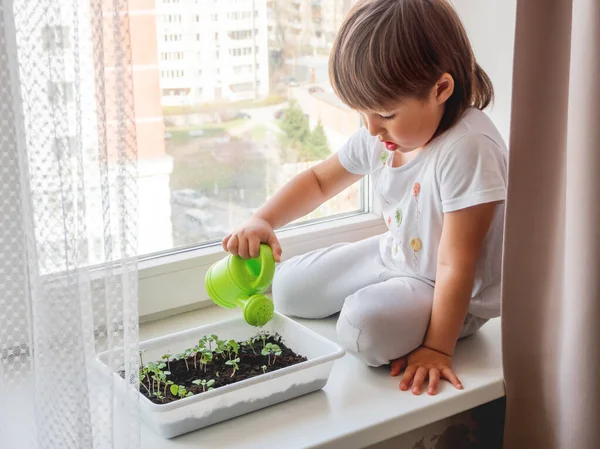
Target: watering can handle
(267,261)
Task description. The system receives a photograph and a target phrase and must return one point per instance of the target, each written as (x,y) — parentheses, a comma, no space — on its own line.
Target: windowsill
(359,406)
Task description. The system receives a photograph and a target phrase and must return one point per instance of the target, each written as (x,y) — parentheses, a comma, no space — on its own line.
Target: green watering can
(234,282)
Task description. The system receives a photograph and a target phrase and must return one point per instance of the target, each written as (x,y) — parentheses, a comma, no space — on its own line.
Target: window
(238,124)
(244,51)
(241,15)
(172,18)
(241,34)
(173,37)
(171,56)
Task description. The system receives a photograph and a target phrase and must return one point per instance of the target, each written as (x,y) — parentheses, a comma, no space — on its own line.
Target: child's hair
(390,49)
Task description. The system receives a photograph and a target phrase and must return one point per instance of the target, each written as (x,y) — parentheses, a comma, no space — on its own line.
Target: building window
(172,18)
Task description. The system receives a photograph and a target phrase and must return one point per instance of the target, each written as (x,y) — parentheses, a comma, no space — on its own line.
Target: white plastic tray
(205,409)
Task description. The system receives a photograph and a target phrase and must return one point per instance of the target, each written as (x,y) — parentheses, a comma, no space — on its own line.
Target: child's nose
(374,126)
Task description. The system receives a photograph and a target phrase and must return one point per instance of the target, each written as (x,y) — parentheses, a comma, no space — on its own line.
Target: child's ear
(444,88)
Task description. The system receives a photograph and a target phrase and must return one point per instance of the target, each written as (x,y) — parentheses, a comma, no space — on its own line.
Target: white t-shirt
(463,167)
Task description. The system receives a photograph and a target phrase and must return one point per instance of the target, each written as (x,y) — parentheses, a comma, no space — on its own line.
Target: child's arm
(303,194)
(463,236)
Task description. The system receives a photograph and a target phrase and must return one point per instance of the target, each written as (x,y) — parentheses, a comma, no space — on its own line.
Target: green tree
(316,146)
(296,130)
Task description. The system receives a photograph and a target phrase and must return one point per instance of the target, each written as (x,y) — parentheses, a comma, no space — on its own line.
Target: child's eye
(390,117)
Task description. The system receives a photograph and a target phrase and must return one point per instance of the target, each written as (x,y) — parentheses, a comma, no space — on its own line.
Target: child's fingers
(243,247)
(254,246)
(273,242)
(232,245)
(419,379)
(434,378)
(407,377)
(397,366)
(451,377)
(226,241)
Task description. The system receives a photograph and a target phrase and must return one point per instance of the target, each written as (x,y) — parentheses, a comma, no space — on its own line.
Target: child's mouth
(390,146)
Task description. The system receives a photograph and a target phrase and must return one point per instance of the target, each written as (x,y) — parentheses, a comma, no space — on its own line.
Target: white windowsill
(175,283)
(359,406)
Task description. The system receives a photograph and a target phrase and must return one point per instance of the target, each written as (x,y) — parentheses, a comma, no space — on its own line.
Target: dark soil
(250,365)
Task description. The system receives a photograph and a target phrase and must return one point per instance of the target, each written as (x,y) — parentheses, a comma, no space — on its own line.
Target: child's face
(410,124)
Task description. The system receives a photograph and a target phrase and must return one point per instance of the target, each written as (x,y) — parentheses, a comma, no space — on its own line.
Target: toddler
(438,170)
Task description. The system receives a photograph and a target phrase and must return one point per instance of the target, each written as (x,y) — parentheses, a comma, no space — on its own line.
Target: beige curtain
(551,291)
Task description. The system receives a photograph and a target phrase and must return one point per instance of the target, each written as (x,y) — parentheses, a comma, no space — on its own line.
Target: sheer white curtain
(68,225)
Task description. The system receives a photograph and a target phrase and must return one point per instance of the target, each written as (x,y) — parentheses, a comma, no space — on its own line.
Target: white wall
(491,28)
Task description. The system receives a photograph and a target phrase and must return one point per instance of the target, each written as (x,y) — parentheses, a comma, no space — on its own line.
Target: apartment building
(332,15)
(212,50)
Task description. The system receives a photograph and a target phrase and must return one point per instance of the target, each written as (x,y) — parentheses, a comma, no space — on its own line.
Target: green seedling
(180,391)
(168,383)
(221,348)
(260,337)
(141,359)
(206,358)
(264,368)
(271,349)
(187,354)
(143,374)
(233,363)
(235,347)
(249,343)
(160,376)
(157,374)
(158,395)
(206,385)
(167,358)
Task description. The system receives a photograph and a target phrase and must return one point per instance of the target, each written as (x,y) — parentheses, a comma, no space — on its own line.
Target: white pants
(384,314)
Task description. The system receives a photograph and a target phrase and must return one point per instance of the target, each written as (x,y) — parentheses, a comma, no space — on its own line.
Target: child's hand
(245,242)
(421,364)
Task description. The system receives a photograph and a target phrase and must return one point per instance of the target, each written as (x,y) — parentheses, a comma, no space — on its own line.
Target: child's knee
(358,330)
(378,335)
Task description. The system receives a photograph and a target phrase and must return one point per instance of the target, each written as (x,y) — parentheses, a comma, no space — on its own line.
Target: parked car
(315,89)
(279,113)
(243,115)
(189,198)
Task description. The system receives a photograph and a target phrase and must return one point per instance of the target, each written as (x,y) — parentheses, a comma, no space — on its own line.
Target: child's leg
(316,284)
(385,321)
